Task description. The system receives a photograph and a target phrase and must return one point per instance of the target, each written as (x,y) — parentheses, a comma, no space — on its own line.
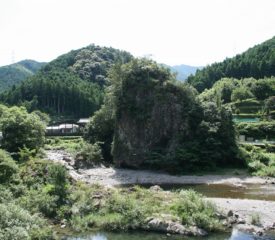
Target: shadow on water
(244,191)
(236,235)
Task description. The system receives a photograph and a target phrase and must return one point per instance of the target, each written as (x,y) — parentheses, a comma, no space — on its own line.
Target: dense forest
(14,74)
(257,62)
(72,85)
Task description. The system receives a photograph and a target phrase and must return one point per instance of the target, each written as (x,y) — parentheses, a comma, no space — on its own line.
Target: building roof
(63,126)
(84,120)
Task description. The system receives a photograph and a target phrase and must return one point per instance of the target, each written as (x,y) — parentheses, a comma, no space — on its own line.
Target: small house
(64,128)
(68,128)
(83,121)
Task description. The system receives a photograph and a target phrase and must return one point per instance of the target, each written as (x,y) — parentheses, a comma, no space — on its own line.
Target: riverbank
(247,209)
(114,176)
(243,209)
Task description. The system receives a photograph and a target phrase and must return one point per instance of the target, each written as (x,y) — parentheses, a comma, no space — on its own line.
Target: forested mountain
(257,62)
(184,71)
(71,85)
(15,73)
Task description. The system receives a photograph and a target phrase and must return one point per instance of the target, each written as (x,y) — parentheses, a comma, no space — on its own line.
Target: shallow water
(236,235)
(246,191)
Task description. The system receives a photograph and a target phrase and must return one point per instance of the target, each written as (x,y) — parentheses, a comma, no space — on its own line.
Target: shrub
(8,167)
(39,201)
(194,210)
(89,156)
(18,224)
(58,179)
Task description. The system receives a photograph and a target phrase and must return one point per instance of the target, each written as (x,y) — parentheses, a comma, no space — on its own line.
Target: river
(235,235)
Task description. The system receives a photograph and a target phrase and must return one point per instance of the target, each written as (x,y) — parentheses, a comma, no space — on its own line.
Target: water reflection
(236,235)
(245,191)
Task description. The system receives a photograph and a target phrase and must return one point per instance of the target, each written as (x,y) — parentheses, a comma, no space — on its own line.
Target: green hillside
(15,73)
(257,62)
(71,85)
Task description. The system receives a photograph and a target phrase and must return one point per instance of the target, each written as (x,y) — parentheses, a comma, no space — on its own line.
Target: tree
(240,94)
(22,129)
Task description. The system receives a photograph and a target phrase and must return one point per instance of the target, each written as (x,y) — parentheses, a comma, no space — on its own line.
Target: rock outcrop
(159,123)
(173,227)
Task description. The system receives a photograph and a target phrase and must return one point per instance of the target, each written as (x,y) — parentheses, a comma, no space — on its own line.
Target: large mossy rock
(153,117)
(160,123)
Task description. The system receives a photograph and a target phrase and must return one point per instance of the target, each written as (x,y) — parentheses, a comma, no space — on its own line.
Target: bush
(89,156)
(8,167)
(39,201)
(21,129)
(194,210)
(18,224)
(58,179)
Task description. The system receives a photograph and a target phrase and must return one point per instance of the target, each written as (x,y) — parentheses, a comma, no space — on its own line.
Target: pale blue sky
(194,32)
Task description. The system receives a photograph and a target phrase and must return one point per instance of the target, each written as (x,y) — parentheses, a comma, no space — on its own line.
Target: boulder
(171,227)
(156,188)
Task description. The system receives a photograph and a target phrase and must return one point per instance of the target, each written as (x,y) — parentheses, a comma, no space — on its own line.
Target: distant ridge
(15,73)
(257,62)
(184,71)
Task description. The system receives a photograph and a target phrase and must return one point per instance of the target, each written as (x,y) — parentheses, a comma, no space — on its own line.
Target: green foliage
(58,179)
(101,129)
(194,210)
(71,85)
(240,94)
(8,167)
(257,62)
(68,143)
(13,74)
(257,130)
(270,104)
(18,224)
(259,161)
(125,209)
(89,156)
(21,129)
(26,154)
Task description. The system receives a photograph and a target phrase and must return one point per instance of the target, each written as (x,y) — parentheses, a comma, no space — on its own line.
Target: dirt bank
(245,208)
(114,176)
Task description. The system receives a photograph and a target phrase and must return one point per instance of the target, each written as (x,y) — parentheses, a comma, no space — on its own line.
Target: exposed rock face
(161,124)
(156,120)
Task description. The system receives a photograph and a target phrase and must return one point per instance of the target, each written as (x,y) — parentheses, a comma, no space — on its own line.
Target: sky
(193,32)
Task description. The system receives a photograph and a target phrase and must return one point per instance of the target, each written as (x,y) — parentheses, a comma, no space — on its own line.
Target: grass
(69,144)
(127,209)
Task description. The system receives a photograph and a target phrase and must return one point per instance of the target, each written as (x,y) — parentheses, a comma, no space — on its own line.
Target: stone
(230,213)
(171,227)
(232,220)
(241,221)
(220,216)
(156,188)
